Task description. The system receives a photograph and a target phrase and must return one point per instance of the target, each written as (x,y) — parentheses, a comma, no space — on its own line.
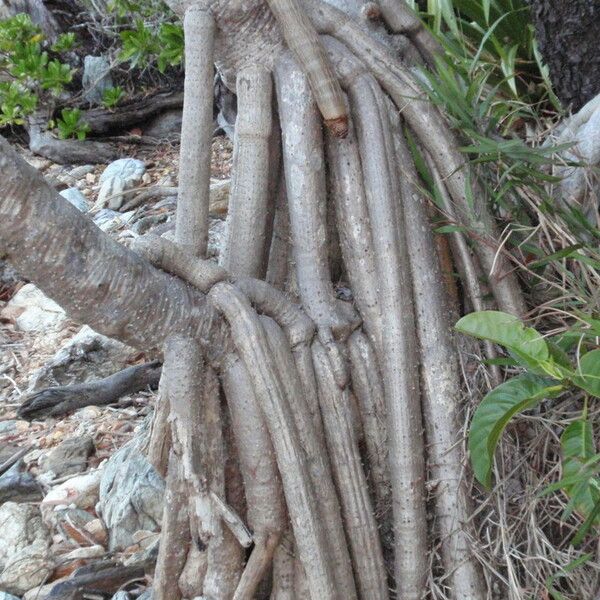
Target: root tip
(338,126)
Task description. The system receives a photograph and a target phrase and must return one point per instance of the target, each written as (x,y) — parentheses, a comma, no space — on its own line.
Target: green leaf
(580,471)
(588,373)
(524,343)
(495,411)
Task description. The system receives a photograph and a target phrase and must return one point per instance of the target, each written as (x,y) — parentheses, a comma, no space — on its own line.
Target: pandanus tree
(298,429)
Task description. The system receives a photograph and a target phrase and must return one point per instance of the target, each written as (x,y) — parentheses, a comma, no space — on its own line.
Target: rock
(96,78)
(81,171)
(9,426)
(120,596)
(6,596)
(84,553)
(34,311)
(119,176)
(86,356)
(82,491)
(217,232)
(24,544)
(69,458)
(76,198)
(165,126)
(131,496)
(219,197)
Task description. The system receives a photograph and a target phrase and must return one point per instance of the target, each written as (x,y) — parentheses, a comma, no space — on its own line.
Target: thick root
(175,535)
(248,205)
(441,389)
(342,445)
(196,131)
(303,41)
(251,343)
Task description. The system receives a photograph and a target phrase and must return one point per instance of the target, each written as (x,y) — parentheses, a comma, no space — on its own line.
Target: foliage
(71,125)
(143,45)
(38,74)
(64,43)
(549,371)
(112,96)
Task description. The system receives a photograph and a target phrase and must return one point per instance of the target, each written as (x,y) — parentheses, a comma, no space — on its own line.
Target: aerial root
(159,442)
(368,389)
(399,367)
(251,343)
(441,385)
(247,217)
(306,195)
(314,446)
(435,135)
(303,41)
(283,569)
(262,484)
(196,131)
(400,18)
(342,445)
(175,534)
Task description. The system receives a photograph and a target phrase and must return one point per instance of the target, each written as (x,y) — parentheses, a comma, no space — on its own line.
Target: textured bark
(567,33)
(95,279)
(196,131)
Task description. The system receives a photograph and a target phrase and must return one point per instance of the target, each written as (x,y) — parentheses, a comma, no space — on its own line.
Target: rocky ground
(79,504)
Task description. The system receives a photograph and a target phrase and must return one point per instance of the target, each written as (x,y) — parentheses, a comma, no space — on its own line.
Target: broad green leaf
(525,343)
(580,470)
(588,373)
(496,410)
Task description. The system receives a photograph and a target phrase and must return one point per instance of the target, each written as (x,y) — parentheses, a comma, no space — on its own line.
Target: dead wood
(55,401)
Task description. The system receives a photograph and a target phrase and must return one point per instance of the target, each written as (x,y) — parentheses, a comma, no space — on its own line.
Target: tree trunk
(567,33)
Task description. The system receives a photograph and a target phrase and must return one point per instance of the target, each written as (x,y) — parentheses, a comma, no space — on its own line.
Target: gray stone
(87,356)
(96,78)
(24,548)
(6,596)
(131,496)
(69,458)
(118,177)
(121,596)
(166,126)
(76,198)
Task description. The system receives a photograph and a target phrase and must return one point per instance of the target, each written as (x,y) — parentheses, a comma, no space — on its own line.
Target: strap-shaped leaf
(496,410)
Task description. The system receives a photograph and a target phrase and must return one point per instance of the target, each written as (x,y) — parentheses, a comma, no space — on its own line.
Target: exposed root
(196,131)
(170,257)
(262,484)
(175,535)
(402,19)
(248,205)
(437,138)
(367,386)
(441,389)
(251,343)
(306,193)
(283,569)
(399,369)
(342,445)
(303,41)
(315,449)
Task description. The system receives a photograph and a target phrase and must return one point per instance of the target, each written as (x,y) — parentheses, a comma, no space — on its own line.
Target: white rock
(37,311)
(82,491)
(6,596)
(82,553)
(24,543)
(119,176)
(76,198)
